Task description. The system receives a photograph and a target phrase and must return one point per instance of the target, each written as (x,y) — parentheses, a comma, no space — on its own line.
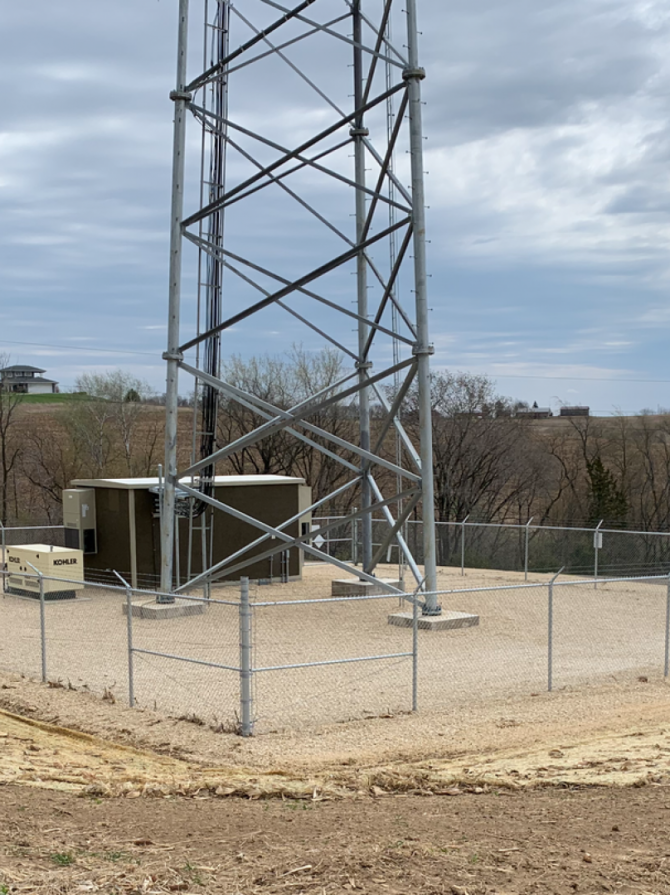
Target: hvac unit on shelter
(79,519)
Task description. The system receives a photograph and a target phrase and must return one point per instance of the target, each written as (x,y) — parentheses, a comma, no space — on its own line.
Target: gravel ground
(614,634)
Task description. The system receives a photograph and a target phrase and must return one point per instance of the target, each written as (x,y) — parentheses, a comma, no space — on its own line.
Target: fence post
(4,554)
(550,633)
(246,671)
(3,564)
(43,623)
(525,561)
(597,541)
(666,669)
(415,654)
(354,540)
(131,662)
(129,629)
(463,544)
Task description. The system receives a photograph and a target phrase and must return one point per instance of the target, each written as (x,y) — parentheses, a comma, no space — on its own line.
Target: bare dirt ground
(554,841)
(560,793)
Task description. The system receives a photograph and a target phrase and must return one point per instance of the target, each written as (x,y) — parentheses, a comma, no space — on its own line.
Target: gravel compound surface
(612,633)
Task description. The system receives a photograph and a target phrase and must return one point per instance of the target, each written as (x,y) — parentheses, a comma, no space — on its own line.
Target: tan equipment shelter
(121,527)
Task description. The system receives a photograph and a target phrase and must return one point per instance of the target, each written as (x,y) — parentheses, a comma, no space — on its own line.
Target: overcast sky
(548,152)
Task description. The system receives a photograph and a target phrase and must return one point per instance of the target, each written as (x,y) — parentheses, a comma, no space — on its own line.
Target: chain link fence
(515,548)
(249,663)
(30,534)
(327,660)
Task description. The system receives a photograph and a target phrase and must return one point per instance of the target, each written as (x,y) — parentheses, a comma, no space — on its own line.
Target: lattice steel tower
(311,155)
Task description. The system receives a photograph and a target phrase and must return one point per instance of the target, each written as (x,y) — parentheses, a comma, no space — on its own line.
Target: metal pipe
(129,632)
(4,555)
(666,669)
(525,562)
(401,541)
(43,624)
(132,528)
(597,536)
(173,355)
(203,555)
(334,662)
(357,132)
(550,637)
(394,533)
(463,545)
(246,670)
(151,652)
(550,632)
(177,552)
(354,540)
(415,655)
(413,75)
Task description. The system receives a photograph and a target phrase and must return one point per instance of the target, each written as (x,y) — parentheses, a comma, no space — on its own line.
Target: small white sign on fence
(597,540)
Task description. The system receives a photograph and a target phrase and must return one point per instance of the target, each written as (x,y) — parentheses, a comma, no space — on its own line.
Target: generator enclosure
(79,519)
(128,529)
(53,562)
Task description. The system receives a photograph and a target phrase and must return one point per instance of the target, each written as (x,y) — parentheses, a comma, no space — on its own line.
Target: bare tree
(285,381)
(10,442)
(115,431)
(51,459)
(480,449)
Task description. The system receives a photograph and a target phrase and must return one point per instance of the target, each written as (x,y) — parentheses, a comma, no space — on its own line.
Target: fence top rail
(135,591)
(522,526)
(409,596)
(581,583)
(360,598)
(30,527)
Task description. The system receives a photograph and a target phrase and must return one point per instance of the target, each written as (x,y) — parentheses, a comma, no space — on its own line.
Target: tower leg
(414,75)
(172,356)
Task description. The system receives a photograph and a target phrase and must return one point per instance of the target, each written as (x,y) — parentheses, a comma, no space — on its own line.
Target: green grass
(53,399)
(62,859)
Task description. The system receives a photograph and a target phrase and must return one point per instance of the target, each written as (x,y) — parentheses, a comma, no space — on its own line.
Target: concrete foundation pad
(448,621)
(153,610)
(353,587)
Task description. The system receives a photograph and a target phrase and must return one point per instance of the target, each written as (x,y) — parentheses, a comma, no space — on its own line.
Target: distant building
(535,412)
(575,411)
(26,380)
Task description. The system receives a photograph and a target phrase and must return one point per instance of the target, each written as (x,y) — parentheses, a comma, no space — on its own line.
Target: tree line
(491,462)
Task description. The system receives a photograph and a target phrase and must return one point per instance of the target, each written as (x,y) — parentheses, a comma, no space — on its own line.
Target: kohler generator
(61,567)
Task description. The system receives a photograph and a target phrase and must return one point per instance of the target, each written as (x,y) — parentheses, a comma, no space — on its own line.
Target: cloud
(548,149)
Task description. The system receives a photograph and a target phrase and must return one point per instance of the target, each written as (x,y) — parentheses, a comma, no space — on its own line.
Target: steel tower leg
(413,74)
(358,132)
(173,355)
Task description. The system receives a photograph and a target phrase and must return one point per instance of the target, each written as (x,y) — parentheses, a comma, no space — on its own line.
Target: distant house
(575,411)
(535,412)
(26,380)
